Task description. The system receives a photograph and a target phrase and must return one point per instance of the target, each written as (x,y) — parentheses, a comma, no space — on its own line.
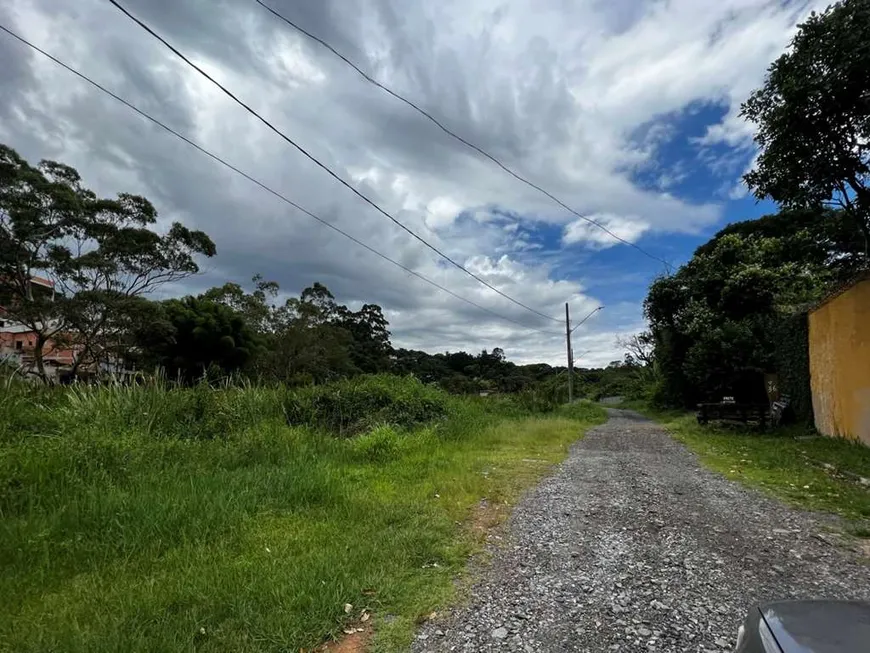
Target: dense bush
(204,412)
(380,445)
(541,399)
(715,322)
(354,405)
(153,409)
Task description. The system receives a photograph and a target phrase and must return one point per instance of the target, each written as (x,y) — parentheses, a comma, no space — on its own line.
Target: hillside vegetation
(246,518)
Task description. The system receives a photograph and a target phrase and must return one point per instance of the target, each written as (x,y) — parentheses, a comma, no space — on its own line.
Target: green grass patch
(150,519)
(787,462)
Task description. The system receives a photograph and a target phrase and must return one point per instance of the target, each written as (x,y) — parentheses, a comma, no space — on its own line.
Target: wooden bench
(727,411)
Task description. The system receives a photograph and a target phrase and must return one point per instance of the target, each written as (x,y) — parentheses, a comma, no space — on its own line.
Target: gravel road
(632,546)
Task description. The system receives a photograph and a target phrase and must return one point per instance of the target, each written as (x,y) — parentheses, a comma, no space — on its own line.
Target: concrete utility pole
(568,332)
(570,355)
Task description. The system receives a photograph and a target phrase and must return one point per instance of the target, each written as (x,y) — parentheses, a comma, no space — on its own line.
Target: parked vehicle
(806,627)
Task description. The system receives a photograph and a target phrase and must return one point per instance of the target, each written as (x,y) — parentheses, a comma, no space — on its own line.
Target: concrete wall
(840,364)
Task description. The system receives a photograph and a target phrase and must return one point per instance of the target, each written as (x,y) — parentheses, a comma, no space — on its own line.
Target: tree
(195,336)
(714,322)
(260,315)
(460,361)
(307,341)
(813,118)
(99,256)
(117,260)
(639,348)
(370,347)
(311,338)
(428,368)
(317,305)
(39,207)
(640,359)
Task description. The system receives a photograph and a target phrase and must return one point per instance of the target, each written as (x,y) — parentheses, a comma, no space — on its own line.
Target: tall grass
(244,518)
(355,405)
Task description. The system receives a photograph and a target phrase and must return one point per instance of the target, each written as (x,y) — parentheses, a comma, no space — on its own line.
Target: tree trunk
(77,361)
(38,358)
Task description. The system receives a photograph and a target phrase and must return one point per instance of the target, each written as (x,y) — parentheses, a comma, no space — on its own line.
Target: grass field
(146,519)
(817,473)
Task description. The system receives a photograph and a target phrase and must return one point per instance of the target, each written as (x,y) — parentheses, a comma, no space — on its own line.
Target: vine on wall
(792,356)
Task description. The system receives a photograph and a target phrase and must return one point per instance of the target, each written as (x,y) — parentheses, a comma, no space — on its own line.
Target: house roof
(863,275)
(64,358)
(41,281)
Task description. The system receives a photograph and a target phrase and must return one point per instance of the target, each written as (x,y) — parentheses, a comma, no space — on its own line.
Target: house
(839,353)
(18,341)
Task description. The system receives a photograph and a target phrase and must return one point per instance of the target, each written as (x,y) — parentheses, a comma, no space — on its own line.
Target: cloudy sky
(627,110)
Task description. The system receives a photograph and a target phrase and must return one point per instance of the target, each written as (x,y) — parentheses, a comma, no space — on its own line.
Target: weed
(149,517)
(352,406)
(381,444)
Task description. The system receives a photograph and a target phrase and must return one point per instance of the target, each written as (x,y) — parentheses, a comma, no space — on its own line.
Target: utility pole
(568,331)
(570,354)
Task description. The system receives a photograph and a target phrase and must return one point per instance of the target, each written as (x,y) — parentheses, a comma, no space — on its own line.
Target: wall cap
(863,275)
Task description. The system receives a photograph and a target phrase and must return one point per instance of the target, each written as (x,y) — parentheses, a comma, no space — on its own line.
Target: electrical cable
(262,185)
(322,165)
(456,136)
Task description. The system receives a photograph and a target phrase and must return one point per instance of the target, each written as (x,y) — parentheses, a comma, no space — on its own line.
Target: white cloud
(556,90)
(443,212)
(582,231)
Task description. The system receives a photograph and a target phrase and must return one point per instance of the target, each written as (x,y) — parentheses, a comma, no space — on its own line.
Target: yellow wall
(840,364)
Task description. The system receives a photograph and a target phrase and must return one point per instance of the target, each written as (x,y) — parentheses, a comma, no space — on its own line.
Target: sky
(626,110)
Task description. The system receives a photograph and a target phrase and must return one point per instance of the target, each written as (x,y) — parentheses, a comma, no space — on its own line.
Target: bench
(727,411)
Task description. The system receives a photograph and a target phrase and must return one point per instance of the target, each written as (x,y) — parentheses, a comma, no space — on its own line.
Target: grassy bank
(246,519)
(816,473)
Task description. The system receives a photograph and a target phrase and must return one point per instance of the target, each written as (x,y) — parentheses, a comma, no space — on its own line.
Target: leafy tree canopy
(99,254)
(192,337)
(712,322)
(813,118)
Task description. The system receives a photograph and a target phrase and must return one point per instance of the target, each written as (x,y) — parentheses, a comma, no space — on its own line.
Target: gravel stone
(632,546)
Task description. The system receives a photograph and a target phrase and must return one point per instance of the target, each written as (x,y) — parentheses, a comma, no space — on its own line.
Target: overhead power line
(322,165)
(451,133)
(268,189)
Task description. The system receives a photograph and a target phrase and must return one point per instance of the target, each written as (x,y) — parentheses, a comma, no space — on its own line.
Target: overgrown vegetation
(350,407)
(153,518)
(75,272)
(284,474)
(791,336)
(733,313)
(98,257)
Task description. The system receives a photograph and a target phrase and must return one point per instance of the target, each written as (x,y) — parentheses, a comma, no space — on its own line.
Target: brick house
(17,341)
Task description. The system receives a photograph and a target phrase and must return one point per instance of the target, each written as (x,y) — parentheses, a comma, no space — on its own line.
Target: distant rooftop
(40,281)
